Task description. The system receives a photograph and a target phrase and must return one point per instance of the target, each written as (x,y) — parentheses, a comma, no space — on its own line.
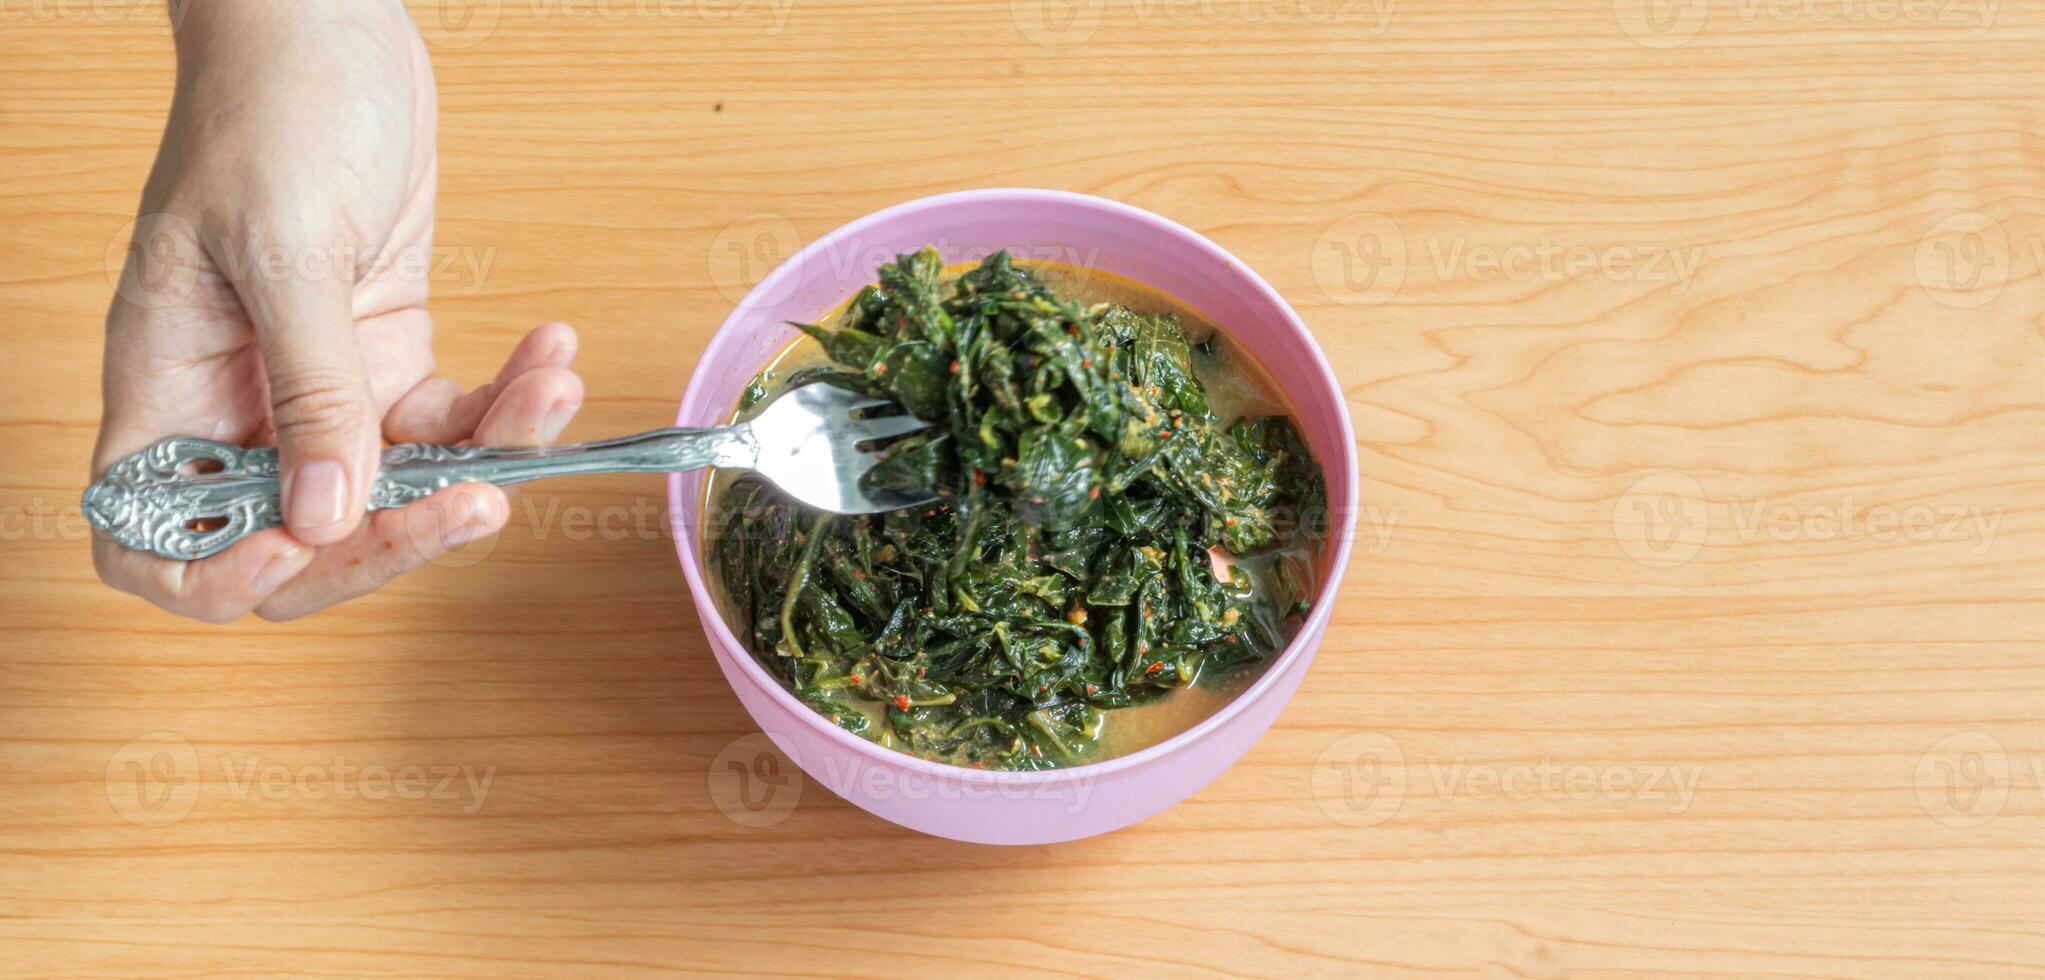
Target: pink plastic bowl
(1065,804)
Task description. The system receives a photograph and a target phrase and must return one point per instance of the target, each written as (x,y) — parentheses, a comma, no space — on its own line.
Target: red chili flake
(1154,668)
(881,368)
(1037,750)
(979,763)
(902,701)
(954,367)
(859,575)
(1086,362)
(1231,522)
(1164,434)
(856,679)
(920,671)
(1093,491)
(1093,689)
(979,478)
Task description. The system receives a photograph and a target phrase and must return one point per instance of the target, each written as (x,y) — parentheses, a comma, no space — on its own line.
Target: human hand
(266,297)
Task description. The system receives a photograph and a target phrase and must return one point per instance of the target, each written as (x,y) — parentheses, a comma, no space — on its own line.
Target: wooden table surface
(1697,619)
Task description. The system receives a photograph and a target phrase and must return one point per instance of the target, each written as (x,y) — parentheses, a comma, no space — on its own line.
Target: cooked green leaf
(1066,569)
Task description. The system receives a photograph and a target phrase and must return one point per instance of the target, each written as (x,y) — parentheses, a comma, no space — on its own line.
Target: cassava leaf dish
(1103,538)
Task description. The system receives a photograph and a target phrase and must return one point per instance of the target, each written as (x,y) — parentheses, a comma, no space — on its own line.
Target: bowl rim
(1342,527)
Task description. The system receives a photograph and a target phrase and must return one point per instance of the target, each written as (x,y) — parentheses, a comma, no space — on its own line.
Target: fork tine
(885,428)
(881,501)
(833,398)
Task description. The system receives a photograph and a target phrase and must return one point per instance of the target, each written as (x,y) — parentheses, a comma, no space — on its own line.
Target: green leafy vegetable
(1070,567)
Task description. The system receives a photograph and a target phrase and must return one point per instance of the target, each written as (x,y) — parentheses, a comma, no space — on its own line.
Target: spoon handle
(157,501)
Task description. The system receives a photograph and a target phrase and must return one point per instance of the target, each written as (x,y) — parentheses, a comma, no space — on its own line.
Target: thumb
(327,428)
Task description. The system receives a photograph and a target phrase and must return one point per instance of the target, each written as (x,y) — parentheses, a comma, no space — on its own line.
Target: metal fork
(806,441)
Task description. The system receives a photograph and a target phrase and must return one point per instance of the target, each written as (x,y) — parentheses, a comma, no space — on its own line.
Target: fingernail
(461,534)
(319,495)
(280,570)
(557,421)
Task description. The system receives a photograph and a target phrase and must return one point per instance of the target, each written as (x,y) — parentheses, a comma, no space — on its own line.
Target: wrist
(217,33)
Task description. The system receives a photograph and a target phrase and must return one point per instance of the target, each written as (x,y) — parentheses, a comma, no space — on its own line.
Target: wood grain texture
(1761,527)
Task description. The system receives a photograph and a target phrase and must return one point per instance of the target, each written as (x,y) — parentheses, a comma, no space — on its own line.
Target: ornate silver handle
(158,500)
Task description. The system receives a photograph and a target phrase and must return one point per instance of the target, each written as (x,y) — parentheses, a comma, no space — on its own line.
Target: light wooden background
(1603,554)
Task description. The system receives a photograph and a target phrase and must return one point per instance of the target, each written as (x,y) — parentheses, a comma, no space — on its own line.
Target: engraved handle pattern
(159,501)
